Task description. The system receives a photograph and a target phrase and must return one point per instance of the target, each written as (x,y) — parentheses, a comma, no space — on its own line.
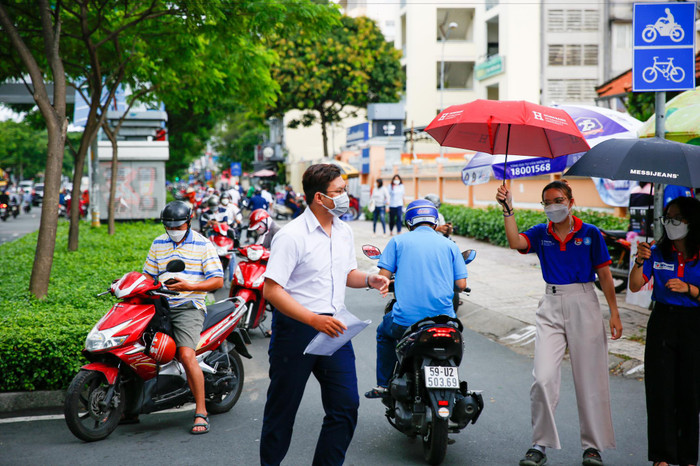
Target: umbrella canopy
(682,121)
(264,173)
(598,124)
(655,160)
(503,127)
(346,170)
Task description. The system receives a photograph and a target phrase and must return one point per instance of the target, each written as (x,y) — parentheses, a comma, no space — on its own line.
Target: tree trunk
(46,242)
(88,135)
(113,179)
(324,132)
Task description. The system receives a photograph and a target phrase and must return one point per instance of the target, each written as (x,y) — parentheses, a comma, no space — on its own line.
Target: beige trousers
(570,315)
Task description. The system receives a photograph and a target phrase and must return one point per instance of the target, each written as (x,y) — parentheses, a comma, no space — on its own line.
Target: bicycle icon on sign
(667,70)
(664,26)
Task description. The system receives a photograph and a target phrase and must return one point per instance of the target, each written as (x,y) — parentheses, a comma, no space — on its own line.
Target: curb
(20,401)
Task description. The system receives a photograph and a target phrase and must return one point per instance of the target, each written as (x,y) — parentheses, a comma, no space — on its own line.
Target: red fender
(109,371)
(247,294)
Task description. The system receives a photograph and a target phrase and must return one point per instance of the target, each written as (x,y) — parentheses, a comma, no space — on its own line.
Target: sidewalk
(506,288)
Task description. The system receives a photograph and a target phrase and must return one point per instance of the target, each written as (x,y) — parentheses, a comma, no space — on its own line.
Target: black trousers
(672,382)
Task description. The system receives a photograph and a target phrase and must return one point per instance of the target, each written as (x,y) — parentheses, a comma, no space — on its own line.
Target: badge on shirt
(578,241)
(546,242)
(664,266)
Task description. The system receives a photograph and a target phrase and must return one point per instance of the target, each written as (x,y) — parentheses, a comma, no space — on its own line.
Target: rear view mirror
(373,252)
(175,266)
(469,255)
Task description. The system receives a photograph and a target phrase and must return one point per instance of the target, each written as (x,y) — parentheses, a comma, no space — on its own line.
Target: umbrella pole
(505,168)
(650,217)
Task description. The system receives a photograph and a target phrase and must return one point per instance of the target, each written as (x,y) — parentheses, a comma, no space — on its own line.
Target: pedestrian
(672,355)
(187,310)
(312,261)
(396,201)
(571,253)
(380,198)
(290,200)
(427,268)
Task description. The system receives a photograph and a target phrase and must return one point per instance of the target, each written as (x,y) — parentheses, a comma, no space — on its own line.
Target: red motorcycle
(248,282)
(222,236)
(132,369)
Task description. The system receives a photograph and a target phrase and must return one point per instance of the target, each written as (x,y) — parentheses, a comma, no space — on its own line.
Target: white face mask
(556,212)
(341,201)
(396,182)
(676,231)
(224,202)
(176,235)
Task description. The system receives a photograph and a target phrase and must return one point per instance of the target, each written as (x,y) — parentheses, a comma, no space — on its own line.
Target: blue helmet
(421,211)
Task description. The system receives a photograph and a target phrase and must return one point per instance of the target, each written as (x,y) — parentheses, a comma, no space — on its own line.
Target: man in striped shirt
(203,273)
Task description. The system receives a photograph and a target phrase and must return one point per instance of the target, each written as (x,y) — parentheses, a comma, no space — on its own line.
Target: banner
(615,193)
(530,166)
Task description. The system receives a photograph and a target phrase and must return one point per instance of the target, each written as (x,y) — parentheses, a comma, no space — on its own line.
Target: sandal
(197,425)
(591,457)
(377,392)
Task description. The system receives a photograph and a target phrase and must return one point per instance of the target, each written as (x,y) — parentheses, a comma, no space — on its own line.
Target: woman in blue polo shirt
(672,353)
(571,253)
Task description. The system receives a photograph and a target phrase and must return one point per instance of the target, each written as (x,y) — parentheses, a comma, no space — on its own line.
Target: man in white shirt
(312,261)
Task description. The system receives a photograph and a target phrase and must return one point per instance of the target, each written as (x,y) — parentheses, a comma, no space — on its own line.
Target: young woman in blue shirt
(672,353)
(571,253)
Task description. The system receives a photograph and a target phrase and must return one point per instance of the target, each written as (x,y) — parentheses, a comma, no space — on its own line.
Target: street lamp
(451,26)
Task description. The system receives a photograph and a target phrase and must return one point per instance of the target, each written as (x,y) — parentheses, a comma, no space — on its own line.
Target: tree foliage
(332,76)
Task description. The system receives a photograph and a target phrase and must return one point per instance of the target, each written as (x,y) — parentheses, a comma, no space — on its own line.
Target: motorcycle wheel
(354,214)
(435,443)
(84,416)
(223,403)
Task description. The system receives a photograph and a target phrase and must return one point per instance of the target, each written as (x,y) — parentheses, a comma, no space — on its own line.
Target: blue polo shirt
(663,270)
(573,260)
(426,265)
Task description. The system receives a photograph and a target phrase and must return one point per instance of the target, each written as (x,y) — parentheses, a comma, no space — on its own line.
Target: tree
(35,39)
(23,148)
(332,76)
(236,138)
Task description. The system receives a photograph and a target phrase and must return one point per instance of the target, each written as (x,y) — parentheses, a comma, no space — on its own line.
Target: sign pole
(660,132)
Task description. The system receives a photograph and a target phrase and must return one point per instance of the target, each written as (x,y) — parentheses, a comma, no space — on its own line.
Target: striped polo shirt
(201,263)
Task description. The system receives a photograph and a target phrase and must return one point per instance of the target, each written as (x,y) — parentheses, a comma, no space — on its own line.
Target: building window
(572,20)
(571,90)
(463,18)
(458,75)
(572,55)
(622,36)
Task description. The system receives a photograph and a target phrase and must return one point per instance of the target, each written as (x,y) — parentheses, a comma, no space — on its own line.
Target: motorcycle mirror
(373,252)
(175,266)
(469,255)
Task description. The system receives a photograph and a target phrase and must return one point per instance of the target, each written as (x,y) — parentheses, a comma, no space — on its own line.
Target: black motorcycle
(4,211)
(426,397)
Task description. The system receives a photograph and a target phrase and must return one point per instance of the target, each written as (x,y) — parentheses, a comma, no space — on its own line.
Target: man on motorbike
(264,226)
(427,268)
(230,212)
(187,310)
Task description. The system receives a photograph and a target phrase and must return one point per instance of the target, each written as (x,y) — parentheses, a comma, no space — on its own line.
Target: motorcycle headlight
(254,254)
(238,275)
(259,281)
(100,340)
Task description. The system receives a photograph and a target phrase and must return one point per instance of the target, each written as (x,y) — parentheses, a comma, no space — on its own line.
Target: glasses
(672,221)
(338,191)
(557,200)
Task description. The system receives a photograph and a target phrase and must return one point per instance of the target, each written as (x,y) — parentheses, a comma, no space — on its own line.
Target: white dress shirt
(311,266)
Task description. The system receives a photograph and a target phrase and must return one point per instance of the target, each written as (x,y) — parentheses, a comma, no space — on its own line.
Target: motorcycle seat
(217,312)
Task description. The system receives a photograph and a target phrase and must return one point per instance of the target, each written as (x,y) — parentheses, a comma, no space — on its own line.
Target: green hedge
(487,224)
(41,340)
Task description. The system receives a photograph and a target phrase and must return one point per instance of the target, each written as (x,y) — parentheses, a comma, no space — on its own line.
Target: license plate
(441,377)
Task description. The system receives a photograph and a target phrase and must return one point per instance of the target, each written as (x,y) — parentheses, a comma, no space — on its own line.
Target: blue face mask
(342,203)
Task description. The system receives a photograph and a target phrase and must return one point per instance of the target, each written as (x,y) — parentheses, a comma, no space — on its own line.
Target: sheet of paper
(324,345)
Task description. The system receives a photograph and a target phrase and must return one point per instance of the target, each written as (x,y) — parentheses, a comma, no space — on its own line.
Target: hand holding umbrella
(505,198)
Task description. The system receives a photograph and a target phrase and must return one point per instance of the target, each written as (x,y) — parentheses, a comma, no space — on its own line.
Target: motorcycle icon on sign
(667,70)
(665,27)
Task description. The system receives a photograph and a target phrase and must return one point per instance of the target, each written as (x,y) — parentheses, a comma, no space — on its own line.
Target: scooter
(14,209)
(223,237)
(619,249)
(4,212)
(247,285)
(132,369)
(426,397)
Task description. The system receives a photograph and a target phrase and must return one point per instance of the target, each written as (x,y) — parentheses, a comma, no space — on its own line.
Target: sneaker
(591,457)
(533,457)
(377,392)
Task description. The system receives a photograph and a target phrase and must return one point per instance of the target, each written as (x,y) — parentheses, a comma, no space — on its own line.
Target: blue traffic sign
(664,47)
(236,169)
